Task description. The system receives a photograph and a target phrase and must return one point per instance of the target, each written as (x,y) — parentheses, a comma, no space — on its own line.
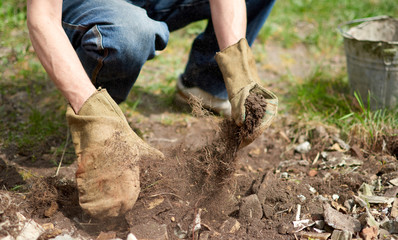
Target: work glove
(240,75)
(108,152)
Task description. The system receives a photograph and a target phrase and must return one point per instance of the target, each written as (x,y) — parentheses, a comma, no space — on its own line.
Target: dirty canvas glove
(240,75)
(108,152)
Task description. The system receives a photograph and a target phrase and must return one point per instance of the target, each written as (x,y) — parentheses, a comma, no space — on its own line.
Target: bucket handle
(360,20)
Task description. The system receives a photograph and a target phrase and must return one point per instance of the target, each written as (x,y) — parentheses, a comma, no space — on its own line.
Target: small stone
(150,231)
(312,173)
(131,237)
(173,219)
(250,208)
(231,225)
(303,147)
(341,235)
(302,198)
(369,233)
(340,221)
(349,204)
(336,147)
(391,192)
(335,197)
(283,229)
(48,226)
(204,235)
(311,189)
(394,181)
(384,234)
(342,144)
(394,209)
(284,175)
(255,152)
(318,236)
(390,226)
(324,155)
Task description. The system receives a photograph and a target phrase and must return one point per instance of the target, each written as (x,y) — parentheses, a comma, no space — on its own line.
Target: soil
(249,193)
(203,172)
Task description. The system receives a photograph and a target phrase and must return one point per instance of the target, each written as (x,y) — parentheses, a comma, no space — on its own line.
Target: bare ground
(259,199)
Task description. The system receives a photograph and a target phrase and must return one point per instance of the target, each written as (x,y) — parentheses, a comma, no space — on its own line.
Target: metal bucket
(371,50)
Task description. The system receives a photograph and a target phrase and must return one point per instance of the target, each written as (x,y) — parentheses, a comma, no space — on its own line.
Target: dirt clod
(255,106)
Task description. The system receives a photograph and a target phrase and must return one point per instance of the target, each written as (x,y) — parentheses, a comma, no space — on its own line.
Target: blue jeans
(114,38)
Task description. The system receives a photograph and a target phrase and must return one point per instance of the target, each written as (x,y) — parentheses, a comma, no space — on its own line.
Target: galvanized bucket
(371,49)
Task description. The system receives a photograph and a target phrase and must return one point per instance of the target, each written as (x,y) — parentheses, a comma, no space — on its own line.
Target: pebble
(394,209)
(150,231)
(250,208)
(312,173)
(285,175)
(283,229)
(340,221)
(369,233)
(303,147)
(341,235)
(231,225)
(335,197)
(390,226)
(302,198)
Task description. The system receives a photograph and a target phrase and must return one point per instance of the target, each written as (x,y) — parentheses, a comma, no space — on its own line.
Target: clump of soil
(255,106)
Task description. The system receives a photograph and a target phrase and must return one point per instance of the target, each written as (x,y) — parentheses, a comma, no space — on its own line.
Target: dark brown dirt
(255,109)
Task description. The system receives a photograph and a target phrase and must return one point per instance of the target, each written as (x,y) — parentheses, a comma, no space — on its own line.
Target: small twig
(63,152)
(298,212)
(164,140)
(282,211)
(316,159)
(158,194)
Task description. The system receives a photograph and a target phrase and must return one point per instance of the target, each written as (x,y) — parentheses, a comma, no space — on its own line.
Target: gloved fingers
(238,110)
(271,107)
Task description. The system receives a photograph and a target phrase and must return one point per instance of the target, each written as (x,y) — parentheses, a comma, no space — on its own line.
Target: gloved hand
(240,75)
(108,152)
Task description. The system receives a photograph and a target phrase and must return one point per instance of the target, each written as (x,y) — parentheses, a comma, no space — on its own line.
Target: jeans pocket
(74,32)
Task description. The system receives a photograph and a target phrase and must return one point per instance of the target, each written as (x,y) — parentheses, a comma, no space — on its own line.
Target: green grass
(314,22)
(326,98)
(32,111)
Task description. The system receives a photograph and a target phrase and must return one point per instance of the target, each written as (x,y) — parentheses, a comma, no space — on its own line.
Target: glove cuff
(237,66)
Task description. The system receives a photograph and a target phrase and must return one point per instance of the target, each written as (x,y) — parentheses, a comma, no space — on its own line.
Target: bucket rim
(361,20)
